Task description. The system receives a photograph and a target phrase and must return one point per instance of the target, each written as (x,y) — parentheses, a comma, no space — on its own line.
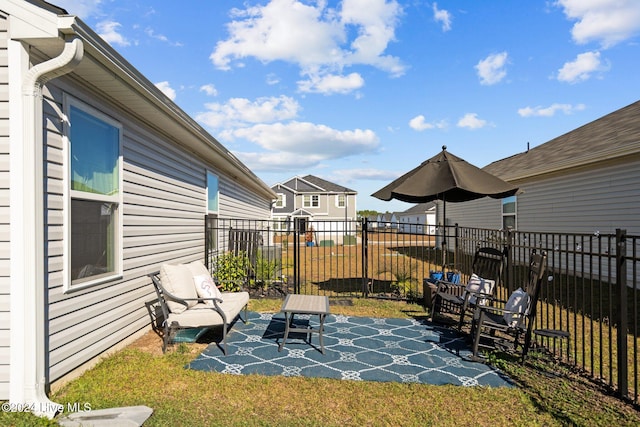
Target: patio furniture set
(190,300)
(493,323)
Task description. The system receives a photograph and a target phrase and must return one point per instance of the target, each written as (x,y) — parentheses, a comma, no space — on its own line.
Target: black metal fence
(592,291)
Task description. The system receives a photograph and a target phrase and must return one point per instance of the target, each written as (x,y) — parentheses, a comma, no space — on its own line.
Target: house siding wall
(5,252)
(164,203)
(585,201)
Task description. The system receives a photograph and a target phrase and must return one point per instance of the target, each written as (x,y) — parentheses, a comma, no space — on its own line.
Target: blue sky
(361,91)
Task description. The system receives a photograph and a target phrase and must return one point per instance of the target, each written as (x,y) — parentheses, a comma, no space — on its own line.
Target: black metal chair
(510,327)
(460,299)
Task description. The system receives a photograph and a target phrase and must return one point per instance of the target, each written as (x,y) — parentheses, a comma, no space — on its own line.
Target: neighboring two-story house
(309,201)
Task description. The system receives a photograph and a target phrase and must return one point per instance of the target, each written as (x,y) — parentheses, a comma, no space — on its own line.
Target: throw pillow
(516,308)
(178,281)
(206,288)
(477,284)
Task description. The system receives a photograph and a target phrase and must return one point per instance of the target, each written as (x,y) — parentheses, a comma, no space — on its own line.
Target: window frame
(311,199)
(217,177)
(281,201)
(69,285)
(505,201)
(344,201)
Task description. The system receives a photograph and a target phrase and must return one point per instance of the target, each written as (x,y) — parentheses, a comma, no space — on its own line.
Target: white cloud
(419,123)
(272,79)
(549,111)
(209,89)
(606,21)
(581,68)
(277,162)
(151,33)
(238,112)
(300,145)
(491,69)
(108,30)
(331,83)
(471,121)
(320,40)
(442,16)
(81,8)
(350,175)
(167,90)
(306,138)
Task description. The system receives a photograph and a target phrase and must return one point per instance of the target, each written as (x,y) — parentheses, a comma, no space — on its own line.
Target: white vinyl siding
(164,203)
(5,252)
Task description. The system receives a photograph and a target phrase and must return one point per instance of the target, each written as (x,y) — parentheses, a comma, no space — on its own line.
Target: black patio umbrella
(448,178)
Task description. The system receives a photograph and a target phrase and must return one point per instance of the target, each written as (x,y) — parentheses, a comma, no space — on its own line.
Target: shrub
(231,271)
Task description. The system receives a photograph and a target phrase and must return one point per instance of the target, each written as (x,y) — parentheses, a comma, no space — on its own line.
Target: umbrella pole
(444,233)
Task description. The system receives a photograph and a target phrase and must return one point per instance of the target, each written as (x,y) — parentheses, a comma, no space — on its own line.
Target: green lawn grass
(548,394)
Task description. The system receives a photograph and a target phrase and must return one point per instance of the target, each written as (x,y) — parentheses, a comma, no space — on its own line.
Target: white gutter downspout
(28,381)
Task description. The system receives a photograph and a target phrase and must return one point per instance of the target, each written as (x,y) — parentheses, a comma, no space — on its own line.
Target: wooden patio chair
(510,327)
(461,299)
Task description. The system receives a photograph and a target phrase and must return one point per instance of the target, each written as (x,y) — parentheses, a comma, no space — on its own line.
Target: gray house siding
(164,203)
(5,252)
(480,213)
(588,200)
(584,202)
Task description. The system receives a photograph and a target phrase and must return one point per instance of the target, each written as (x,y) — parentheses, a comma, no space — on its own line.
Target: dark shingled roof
(326,185)
(420,208)
(612,136)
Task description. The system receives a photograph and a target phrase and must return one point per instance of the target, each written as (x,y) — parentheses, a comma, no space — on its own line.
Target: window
(212,193)
(95,197)
(310,201)
(280,224)
(341,200)
(509,213)
(281,202)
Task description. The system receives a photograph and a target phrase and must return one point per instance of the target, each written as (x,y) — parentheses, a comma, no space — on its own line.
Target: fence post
(296,263)
(621,279)
(456,237)
(509,267)
(365,256)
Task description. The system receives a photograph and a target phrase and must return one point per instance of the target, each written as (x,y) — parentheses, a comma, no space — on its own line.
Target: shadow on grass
(558,389)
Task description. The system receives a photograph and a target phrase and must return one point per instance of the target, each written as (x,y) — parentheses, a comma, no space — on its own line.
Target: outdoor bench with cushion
(190,299)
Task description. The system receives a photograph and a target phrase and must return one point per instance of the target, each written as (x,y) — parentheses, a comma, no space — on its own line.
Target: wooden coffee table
(304,304)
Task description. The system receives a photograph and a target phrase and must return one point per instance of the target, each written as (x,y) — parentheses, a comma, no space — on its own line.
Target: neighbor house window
(212,193)
(341,200)
(280,225)
(310,201)
(509,213)
(281,202)
(95,196)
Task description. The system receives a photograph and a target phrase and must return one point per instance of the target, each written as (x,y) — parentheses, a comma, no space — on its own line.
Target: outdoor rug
(356,348)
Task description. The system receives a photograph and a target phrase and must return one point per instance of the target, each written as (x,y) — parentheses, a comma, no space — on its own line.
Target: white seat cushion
(197,268)
(202,315)
(178,281)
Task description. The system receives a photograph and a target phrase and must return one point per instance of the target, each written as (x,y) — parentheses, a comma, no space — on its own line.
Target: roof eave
(179,123)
